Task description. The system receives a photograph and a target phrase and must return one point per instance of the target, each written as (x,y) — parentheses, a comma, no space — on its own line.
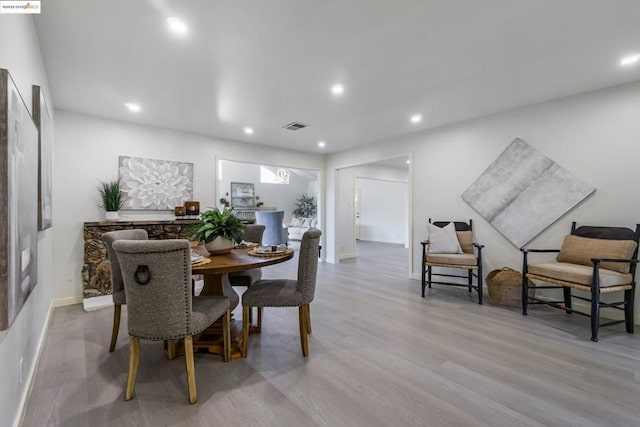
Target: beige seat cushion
(577,273)
(455,259)
(580,250)
(465,238)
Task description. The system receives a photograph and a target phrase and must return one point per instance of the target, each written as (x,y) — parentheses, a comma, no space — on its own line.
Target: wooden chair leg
(245,331)
(171,349)
(226,332)
(308,310)
(117,310)
(302,316)
(134,357)
(567,299)
(259,327)
(191,370)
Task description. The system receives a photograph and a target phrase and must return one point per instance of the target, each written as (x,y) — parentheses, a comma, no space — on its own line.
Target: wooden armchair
(595,260)
(463,258)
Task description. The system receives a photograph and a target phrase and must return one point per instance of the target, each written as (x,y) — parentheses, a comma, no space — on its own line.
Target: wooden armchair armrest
(599,260)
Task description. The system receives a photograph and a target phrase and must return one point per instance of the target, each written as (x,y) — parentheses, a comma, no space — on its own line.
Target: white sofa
(298,226)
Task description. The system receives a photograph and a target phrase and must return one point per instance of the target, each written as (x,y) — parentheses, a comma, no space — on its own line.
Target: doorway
(373,211)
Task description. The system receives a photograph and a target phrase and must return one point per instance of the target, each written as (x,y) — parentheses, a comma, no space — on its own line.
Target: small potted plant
(224,201)
(112,198)
(219,230)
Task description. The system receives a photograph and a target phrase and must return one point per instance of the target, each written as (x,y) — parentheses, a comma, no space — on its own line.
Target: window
(271,175)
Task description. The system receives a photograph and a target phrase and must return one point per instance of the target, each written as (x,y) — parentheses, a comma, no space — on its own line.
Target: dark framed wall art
(18,201)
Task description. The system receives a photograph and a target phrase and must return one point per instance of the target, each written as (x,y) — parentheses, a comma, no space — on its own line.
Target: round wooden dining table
(216,269)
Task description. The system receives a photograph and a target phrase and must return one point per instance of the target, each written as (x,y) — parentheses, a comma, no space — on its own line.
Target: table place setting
(196,258)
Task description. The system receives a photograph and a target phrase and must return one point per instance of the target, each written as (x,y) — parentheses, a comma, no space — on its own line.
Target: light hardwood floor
(380,355)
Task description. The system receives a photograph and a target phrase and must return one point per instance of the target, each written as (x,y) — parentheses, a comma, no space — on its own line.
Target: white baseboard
(96,303)
(26,392)
(347,256)
(61,302)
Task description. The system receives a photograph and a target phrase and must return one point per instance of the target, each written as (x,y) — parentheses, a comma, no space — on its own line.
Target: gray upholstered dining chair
(253,234)
(117,286)
(157,283)
(274,233)
(286,292)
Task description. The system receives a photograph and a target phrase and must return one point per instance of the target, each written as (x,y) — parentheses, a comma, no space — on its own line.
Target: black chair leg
(424,283)
(595,313)
(480,285)
(628,309)
(567,299)
(470,279)
(525,294)
(429,276)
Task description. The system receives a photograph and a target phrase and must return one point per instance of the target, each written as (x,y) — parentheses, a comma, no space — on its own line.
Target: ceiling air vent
(295,126)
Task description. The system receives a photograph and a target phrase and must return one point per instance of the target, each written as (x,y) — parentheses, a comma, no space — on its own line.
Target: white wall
(20,54)
(344,184)
(280,196)
(87,151)
(383,210)
(594,135)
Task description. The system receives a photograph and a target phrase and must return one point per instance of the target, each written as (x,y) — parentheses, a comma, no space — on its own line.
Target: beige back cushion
(466,241)
(580,250)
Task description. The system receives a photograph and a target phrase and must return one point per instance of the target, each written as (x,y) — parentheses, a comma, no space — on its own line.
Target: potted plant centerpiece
(219,230)
(112,198)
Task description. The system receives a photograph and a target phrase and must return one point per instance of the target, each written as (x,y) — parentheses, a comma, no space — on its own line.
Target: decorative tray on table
(270,251)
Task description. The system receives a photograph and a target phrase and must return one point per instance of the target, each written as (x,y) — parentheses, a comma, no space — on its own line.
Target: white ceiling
(267,63)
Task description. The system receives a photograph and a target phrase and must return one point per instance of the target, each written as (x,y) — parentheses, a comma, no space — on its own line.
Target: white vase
(219,245)
(111,216)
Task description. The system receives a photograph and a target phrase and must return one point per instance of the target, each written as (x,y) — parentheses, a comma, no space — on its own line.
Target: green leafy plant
(112,197)
(216,222)
(305,206)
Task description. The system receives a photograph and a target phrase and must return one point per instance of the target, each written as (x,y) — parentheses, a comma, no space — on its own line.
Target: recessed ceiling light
(176,25)
(631,59)
(416,118)
(408,161)
(133,107)
(337,89)
(321,144)
(248,131)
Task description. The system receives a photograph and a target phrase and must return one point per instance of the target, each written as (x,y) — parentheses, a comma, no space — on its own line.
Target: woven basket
(505,287)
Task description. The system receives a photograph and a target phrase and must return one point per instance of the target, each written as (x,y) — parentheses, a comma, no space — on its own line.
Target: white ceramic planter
(111,216)
(219,245)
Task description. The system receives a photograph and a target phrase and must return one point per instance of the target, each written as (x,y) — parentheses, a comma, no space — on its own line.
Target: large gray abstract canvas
(18,201)
(523,192)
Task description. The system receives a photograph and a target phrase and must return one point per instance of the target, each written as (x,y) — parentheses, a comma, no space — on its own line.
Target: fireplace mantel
(96,272)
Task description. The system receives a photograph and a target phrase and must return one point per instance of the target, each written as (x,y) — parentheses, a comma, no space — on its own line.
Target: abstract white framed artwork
(151,184)
(523,192)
